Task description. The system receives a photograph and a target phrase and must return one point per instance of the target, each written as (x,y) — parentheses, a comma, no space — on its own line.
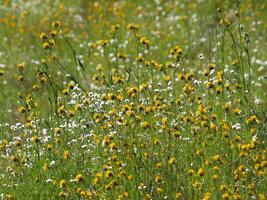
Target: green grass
(171,105)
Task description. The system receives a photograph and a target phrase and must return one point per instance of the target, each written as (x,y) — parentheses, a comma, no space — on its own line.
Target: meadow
(133,99)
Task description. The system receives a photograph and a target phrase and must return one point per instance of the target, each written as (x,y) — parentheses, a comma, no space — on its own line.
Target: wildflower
(132,91)
(223,187)
(207,196)
(140,59)
(2,72)
(103,43)
(201,172)
(21,66)
(51,42)
(71,113)
(57,130)
(49,147)
(66,154)
(159,190)
(61,110)
(167,78)
(8,196)
(65,91)
(35,139)
(79,178)
(211,66)
(226,196)
(62,194)
(108,174)
(197,185)
(71,85)
(96,180)
(46,167)
(156,141)
(35,87)
(53,33)
(22,109)
(191,172)
(214,177)
(144,41)
(217,157)
(78,107)
(20,78)
(172,161)
(43,79)
(43,36)
(251,119)
(15,158)
(130,177)
(108,186)
(114,28)
(262,196)
(176,52)
(56,24)
(62,183)
(46,45)
(43,61)
(145,124)
(133,27)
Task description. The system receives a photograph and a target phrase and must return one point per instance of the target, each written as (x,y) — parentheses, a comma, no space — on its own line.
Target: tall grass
(133,100)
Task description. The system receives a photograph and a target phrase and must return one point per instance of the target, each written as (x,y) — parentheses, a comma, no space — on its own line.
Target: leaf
(81,65)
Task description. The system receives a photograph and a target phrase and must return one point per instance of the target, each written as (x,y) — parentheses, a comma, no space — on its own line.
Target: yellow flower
(65,91)
(78,107)
(114,28)
(2,72)
(46,167)
(108,174)
(71,85)
(191,172)
(22,109)
(79,178)
(57,130)
(53,33)
(46,45)
(62,183)
(156,141)
(49,147)
(211,66)
(20,78)
(36,87)
(158,179)
(178,195)
(61,110)
(226,196)
(214,177)
(207,196)
(35,139)
(172,161)
(217,157)
(66,154)
(43,61)
(108,186)
(51,42)
(43,79)
(43,36)
(21,66)
(201,172)
(159,190)
(62,194)
(144,41)
(145,124)
(56,24)
(133,27)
